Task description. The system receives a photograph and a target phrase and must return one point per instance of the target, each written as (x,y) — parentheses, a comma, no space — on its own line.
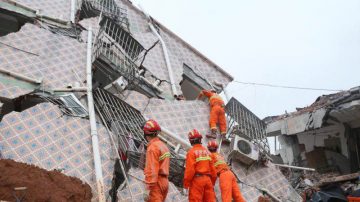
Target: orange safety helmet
(151,127)
(212,145)
(194,134)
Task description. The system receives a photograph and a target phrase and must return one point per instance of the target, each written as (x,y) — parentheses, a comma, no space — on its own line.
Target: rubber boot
(224,139)
(212,135)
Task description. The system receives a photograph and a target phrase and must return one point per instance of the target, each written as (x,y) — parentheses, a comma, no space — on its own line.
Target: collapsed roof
(341,107)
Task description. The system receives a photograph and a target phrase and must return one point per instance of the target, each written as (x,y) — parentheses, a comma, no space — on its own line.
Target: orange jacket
(157,161)
(214,98)
(198,161)
(219,162)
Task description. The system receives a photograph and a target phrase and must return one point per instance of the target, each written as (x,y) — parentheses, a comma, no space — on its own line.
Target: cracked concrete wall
(59,60)
(317,138)
(179,53)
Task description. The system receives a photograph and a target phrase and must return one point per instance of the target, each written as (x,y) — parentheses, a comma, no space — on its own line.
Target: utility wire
(289,87)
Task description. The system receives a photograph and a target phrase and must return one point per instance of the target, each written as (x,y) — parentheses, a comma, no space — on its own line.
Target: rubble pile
(314,186)
(23,182)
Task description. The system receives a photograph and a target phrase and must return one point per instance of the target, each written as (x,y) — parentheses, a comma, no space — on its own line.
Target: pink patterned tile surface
(59,60)
(59,9)
(180,116)
(12,91)
(86,23)
(43,136)
(178,52)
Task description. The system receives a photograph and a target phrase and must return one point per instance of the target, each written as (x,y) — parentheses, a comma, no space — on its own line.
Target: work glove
(146,195)
(185,192)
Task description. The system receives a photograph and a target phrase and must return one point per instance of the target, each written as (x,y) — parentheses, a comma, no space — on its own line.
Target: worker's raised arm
(189,169)
(206,93)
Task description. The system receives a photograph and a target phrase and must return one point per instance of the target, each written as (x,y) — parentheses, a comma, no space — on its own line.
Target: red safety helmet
(194,134)
(212,145)
(151,127)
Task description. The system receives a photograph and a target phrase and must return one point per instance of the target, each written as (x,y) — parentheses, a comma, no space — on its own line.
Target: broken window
(73,32)
(242,122)
(68,104)
(192,83)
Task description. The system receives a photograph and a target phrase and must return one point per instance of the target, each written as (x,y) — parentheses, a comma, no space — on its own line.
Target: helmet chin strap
(195,141)
(152,134)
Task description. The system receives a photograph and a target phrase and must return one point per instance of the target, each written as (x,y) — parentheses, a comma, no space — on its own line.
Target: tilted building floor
(52,131)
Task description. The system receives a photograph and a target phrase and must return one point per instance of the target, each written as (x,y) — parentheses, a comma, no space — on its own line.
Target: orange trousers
(217,116)
(159,191)
(201,189)
(229,188)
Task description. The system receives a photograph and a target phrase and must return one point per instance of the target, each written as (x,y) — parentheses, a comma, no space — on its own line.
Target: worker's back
(198,162)
(219,162)
(159,160)
(200,174)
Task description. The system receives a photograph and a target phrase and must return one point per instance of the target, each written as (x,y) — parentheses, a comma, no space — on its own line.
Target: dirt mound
(41,185)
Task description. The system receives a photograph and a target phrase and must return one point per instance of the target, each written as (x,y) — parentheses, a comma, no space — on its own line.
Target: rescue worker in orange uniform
(157,164)
(217,112)
(227,180)
(200,174)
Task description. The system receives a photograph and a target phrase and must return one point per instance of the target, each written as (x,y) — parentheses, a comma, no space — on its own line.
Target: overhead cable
(289,87)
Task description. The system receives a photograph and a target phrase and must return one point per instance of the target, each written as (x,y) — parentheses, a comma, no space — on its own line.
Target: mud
(37,184)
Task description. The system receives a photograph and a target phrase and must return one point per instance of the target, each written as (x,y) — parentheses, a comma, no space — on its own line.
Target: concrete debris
(323,136)
(341,178)
(312,185)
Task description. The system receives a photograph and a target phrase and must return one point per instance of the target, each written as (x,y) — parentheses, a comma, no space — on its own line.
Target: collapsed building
(324,135)
(139,70)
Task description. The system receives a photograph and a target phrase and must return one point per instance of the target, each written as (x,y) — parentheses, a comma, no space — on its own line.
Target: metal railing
(117,49)
(110,9)
(123,37)
(241,121)
(122,119)
(125,122)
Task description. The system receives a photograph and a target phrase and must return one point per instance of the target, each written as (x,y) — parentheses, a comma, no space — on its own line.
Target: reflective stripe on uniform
(165,155)
(203,158)
(219,162)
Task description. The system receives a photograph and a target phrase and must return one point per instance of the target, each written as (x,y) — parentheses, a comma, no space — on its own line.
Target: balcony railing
(241,121)
(115,48)
(125,122)
(110,9)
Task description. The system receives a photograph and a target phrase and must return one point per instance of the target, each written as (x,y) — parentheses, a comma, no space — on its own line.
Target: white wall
(317,137)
